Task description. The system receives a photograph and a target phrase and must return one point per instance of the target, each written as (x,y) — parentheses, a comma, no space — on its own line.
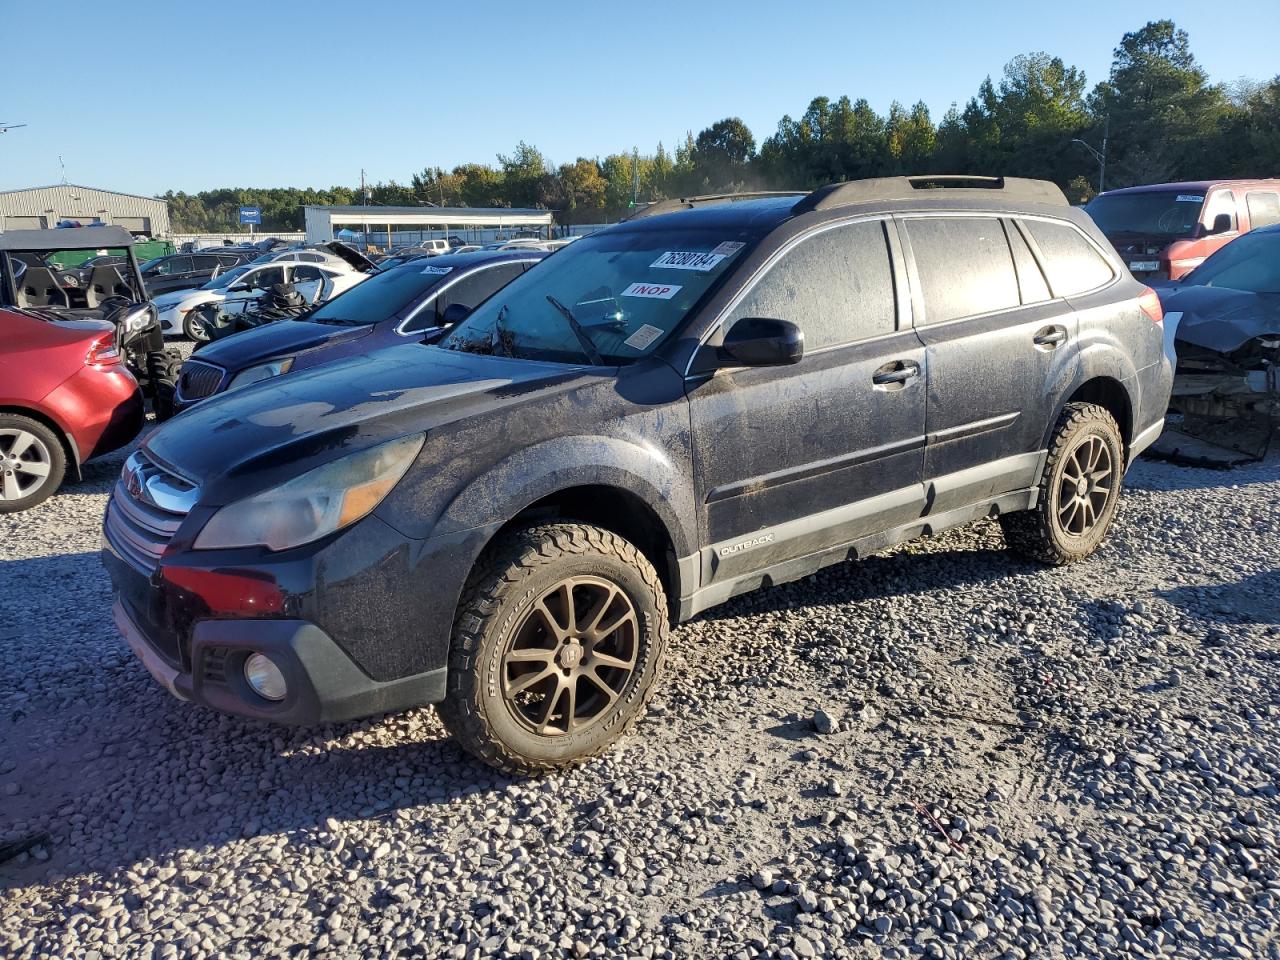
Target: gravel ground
(940,752)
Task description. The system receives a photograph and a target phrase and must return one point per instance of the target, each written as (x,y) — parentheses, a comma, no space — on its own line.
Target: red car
(1163,231)
(65,397)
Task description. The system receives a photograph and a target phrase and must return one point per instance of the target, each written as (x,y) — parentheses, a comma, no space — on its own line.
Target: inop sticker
(654,291)
(688,260)
(437,271)
(643,337)
(728,248)
(1188,198)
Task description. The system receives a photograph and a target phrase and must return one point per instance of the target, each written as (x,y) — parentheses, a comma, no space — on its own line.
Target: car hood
(284,338)
(186,298)
(1221,319)
(275,430)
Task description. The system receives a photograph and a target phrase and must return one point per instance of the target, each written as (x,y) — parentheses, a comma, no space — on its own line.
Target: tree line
(1161,117)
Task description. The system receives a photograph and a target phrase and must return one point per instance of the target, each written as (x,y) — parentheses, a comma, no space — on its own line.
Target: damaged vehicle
(1226,392)
(189,313)
(31,280)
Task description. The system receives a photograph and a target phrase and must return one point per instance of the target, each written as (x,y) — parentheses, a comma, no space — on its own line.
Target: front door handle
(896,372)
(1050,336)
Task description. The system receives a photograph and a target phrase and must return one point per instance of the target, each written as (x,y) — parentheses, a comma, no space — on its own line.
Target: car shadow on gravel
(1255,599)
(912,570)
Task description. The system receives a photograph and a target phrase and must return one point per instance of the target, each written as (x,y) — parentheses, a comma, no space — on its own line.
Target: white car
(235,288)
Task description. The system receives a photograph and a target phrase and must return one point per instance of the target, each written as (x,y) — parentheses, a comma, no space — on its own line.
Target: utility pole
(1100,156)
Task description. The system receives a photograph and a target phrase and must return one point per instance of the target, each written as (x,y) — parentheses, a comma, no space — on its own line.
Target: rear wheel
(32,462)
(1079,490)
(557,647)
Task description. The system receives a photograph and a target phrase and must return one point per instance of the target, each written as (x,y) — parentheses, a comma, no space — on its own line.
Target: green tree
(722,153)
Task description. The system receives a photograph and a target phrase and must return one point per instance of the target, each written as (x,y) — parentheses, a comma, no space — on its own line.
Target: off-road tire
(51,455)
(508,580)
(1038,533)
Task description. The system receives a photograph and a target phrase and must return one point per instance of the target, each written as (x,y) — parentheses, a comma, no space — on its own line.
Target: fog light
(264,677)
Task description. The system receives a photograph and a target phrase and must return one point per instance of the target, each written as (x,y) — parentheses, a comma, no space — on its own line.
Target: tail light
(103,351)
(1149,303)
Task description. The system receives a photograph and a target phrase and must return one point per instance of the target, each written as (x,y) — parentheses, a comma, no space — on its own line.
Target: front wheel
(195,325)
(557,647)
(32,462)
(1079,490)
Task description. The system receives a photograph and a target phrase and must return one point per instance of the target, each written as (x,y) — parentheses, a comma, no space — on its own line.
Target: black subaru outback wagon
(663,415)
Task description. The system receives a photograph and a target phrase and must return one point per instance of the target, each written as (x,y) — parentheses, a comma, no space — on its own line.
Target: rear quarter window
(1264,208)
(964,265)
(1071,261)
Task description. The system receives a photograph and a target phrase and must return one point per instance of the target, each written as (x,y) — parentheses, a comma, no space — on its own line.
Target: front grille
(145,510)
(199,380)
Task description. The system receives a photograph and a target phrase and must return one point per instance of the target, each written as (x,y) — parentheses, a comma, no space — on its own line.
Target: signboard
(251,215)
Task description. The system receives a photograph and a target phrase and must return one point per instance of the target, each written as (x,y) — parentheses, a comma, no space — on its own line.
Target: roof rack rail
(923,188)
(688,203)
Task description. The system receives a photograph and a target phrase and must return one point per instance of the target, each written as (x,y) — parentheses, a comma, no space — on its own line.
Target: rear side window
(965,267)
(206,263)
(837,286)
(1264,208)
(1031,281)
(1071,261)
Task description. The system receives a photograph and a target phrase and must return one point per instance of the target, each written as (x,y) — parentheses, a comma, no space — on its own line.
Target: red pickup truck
(1164,230)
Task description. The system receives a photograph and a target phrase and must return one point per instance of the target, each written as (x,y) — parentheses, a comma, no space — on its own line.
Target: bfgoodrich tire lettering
(557,647)
(1079,489)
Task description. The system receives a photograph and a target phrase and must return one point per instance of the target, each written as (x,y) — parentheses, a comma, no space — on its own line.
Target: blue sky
(283,93)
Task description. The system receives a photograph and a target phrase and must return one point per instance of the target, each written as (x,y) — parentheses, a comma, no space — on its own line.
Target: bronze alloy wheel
(1087,479)
(571,657)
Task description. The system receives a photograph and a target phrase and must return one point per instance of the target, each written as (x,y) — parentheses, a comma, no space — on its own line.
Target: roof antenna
(63,167)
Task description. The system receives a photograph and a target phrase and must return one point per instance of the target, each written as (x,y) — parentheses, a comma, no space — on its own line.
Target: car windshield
(381,296)
(226,279)
(616,295)
(1250,263)
(1153,213)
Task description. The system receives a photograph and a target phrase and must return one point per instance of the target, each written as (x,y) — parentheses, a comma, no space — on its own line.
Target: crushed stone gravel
(940,752)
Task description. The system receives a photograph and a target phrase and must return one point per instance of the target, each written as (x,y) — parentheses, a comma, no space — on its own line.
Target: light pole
(1099,155)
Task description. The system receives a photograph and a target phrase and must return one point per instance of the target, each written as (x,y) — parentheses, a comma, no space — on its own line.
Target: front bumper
(324,683)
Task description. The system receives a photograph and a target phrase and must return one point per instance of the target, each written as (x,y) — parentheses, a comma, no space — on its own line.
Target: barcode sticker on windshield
(437,271)
(654,291)
(728,248)
(1188,198)
(643,337)
(688,260)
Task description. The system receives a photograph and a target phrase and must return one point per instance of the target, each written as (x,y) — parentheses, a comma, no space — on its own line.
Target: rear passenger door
(998,346)
(794,460)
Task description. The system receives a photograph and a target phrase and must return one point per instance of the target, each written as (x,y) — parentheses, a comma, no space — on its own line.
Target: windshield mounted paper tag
(654,291)
(688,260)
(437,271)
(643,337)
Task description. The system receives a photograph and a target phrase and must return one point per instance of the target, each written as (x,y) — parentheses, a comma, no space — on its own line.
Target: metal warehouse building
(417,223)
(41,207)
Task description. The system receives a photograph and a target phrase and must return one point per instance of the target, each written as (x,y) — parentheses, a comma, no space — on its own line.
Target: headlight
(138,319)
(315,504)
(263,371)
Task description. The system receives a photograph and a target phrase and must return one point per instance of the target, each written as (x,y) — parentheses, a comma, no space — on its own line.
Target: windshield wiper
(588,347)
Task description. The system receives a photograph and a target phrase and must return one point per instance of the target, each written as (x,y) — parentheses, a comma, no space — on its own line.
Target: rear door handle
(1050,336)
(896,372)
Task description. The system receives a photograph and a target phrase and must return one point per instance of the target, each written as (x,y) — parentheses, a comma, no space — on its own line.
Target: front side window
(964,265)
(159,268)
(226,279)
(627,291)
(836,285)
(1073,264)
(1221,202)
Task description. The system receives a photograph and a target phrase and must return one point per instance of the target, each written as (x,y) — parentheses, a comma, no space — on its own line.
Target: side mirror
(454,314)
(1221,223)
(762,342)
(239,288)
